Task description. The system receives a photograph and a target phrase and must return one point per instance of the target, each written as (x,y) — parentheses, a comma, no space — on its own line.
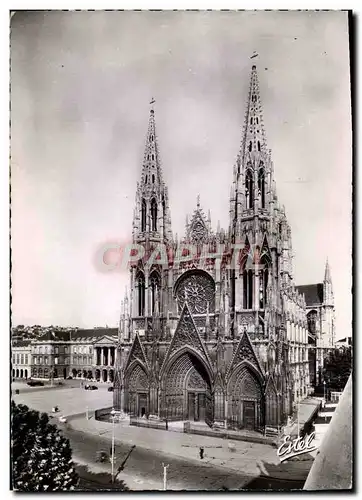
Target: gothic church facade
(203,339)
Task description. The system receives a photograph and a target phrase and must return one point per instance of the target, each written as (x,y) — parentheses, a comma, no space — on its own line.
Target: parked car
(101,456)
(35,383)
(88,387)
(70,377)
(62,419)
(110,389)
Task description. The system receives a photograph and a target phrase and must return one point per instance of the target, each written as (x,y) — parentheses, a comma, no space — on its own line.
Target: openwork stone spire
(253,191)
(151,160)
(254,138)
(152,219)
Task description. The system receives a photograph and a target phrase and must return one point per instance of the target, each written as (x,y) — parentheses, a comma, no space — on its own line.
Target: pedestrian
(201,452)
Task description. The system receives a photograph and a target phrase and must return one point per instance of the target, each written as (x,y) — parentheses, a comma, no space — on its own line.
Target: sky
(81,83)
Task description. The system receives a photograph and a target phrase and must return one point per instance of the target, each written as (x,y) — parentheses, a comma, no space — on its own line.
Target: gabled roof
(244,351)
(137,353)
(313,293)
(198,229)
(186,335)
(106,339)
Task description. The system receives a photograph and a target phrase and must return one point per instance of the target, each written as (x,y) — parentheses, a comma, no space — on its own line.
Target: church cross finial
(152,102)
(198,201)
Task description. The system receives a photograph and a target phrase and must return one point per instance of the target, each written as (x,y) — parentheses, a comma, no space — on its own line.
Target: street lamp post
(165,467)
(113,412)
(324,396)
(298,418)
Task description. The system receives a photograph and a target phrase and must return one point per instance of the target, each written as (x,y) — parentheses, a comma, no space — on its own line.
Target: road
(143,470)
(252,466)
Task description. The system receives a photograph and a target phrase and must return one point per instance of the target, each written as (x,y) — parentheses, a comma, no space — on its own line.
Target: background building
(50,355)
(56,353)
(21,359)
(93,354)
(321,323)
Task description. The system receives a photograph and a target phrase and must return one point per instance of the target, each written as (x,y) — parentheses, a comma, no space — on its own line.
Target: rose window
(198,289)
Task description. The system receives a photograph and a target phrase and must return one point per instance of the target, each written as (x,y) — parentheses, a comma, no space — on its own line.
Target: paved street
(244,465)
(143,470)
(251,458)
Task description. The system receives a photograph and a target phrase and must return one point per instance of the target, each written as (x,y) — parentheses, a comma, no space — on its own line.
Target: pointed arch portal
(187,390)
(245,399)
(137,400)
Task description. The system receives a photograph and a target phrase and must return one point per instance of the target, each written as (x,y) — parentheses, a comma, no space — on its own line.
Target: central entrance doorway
(142,404)
(249,414)
(196,406)
(187,390)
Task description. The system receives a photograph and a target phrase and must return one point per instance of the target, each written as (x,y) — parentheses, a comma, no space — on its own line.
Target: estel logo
(298,446)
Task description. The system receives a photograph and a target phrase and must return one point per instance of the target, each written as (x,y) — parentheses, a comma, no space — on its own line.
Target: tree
(337,367)
(41,456)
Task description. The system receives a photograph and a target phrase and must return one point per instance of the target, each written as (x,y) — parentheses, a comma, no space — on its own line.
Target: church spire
(327,286)
(152,171)
(252,192)
(327,273)
(254,138)
(152,219)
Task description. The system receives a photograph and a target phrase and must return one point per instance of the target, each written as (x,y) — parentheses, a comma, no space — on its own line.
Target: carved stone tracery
(196,381)
(199,290)
(137,379)
(244,385)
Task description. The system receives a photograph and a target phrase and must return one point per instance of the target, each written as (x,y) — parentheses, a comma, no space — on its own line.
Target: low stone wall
(151,424)
(102,413)
(231,435)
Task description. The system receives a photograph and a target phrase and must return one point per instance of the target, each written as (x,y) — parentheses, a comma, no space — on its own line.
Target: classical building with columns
(93,354)
(87,354)
(214,328)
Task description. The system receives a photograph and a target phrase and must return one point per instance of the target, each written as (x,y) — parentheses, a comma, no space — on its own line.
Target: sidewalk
(251,459)
(307,410)
(322,422)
